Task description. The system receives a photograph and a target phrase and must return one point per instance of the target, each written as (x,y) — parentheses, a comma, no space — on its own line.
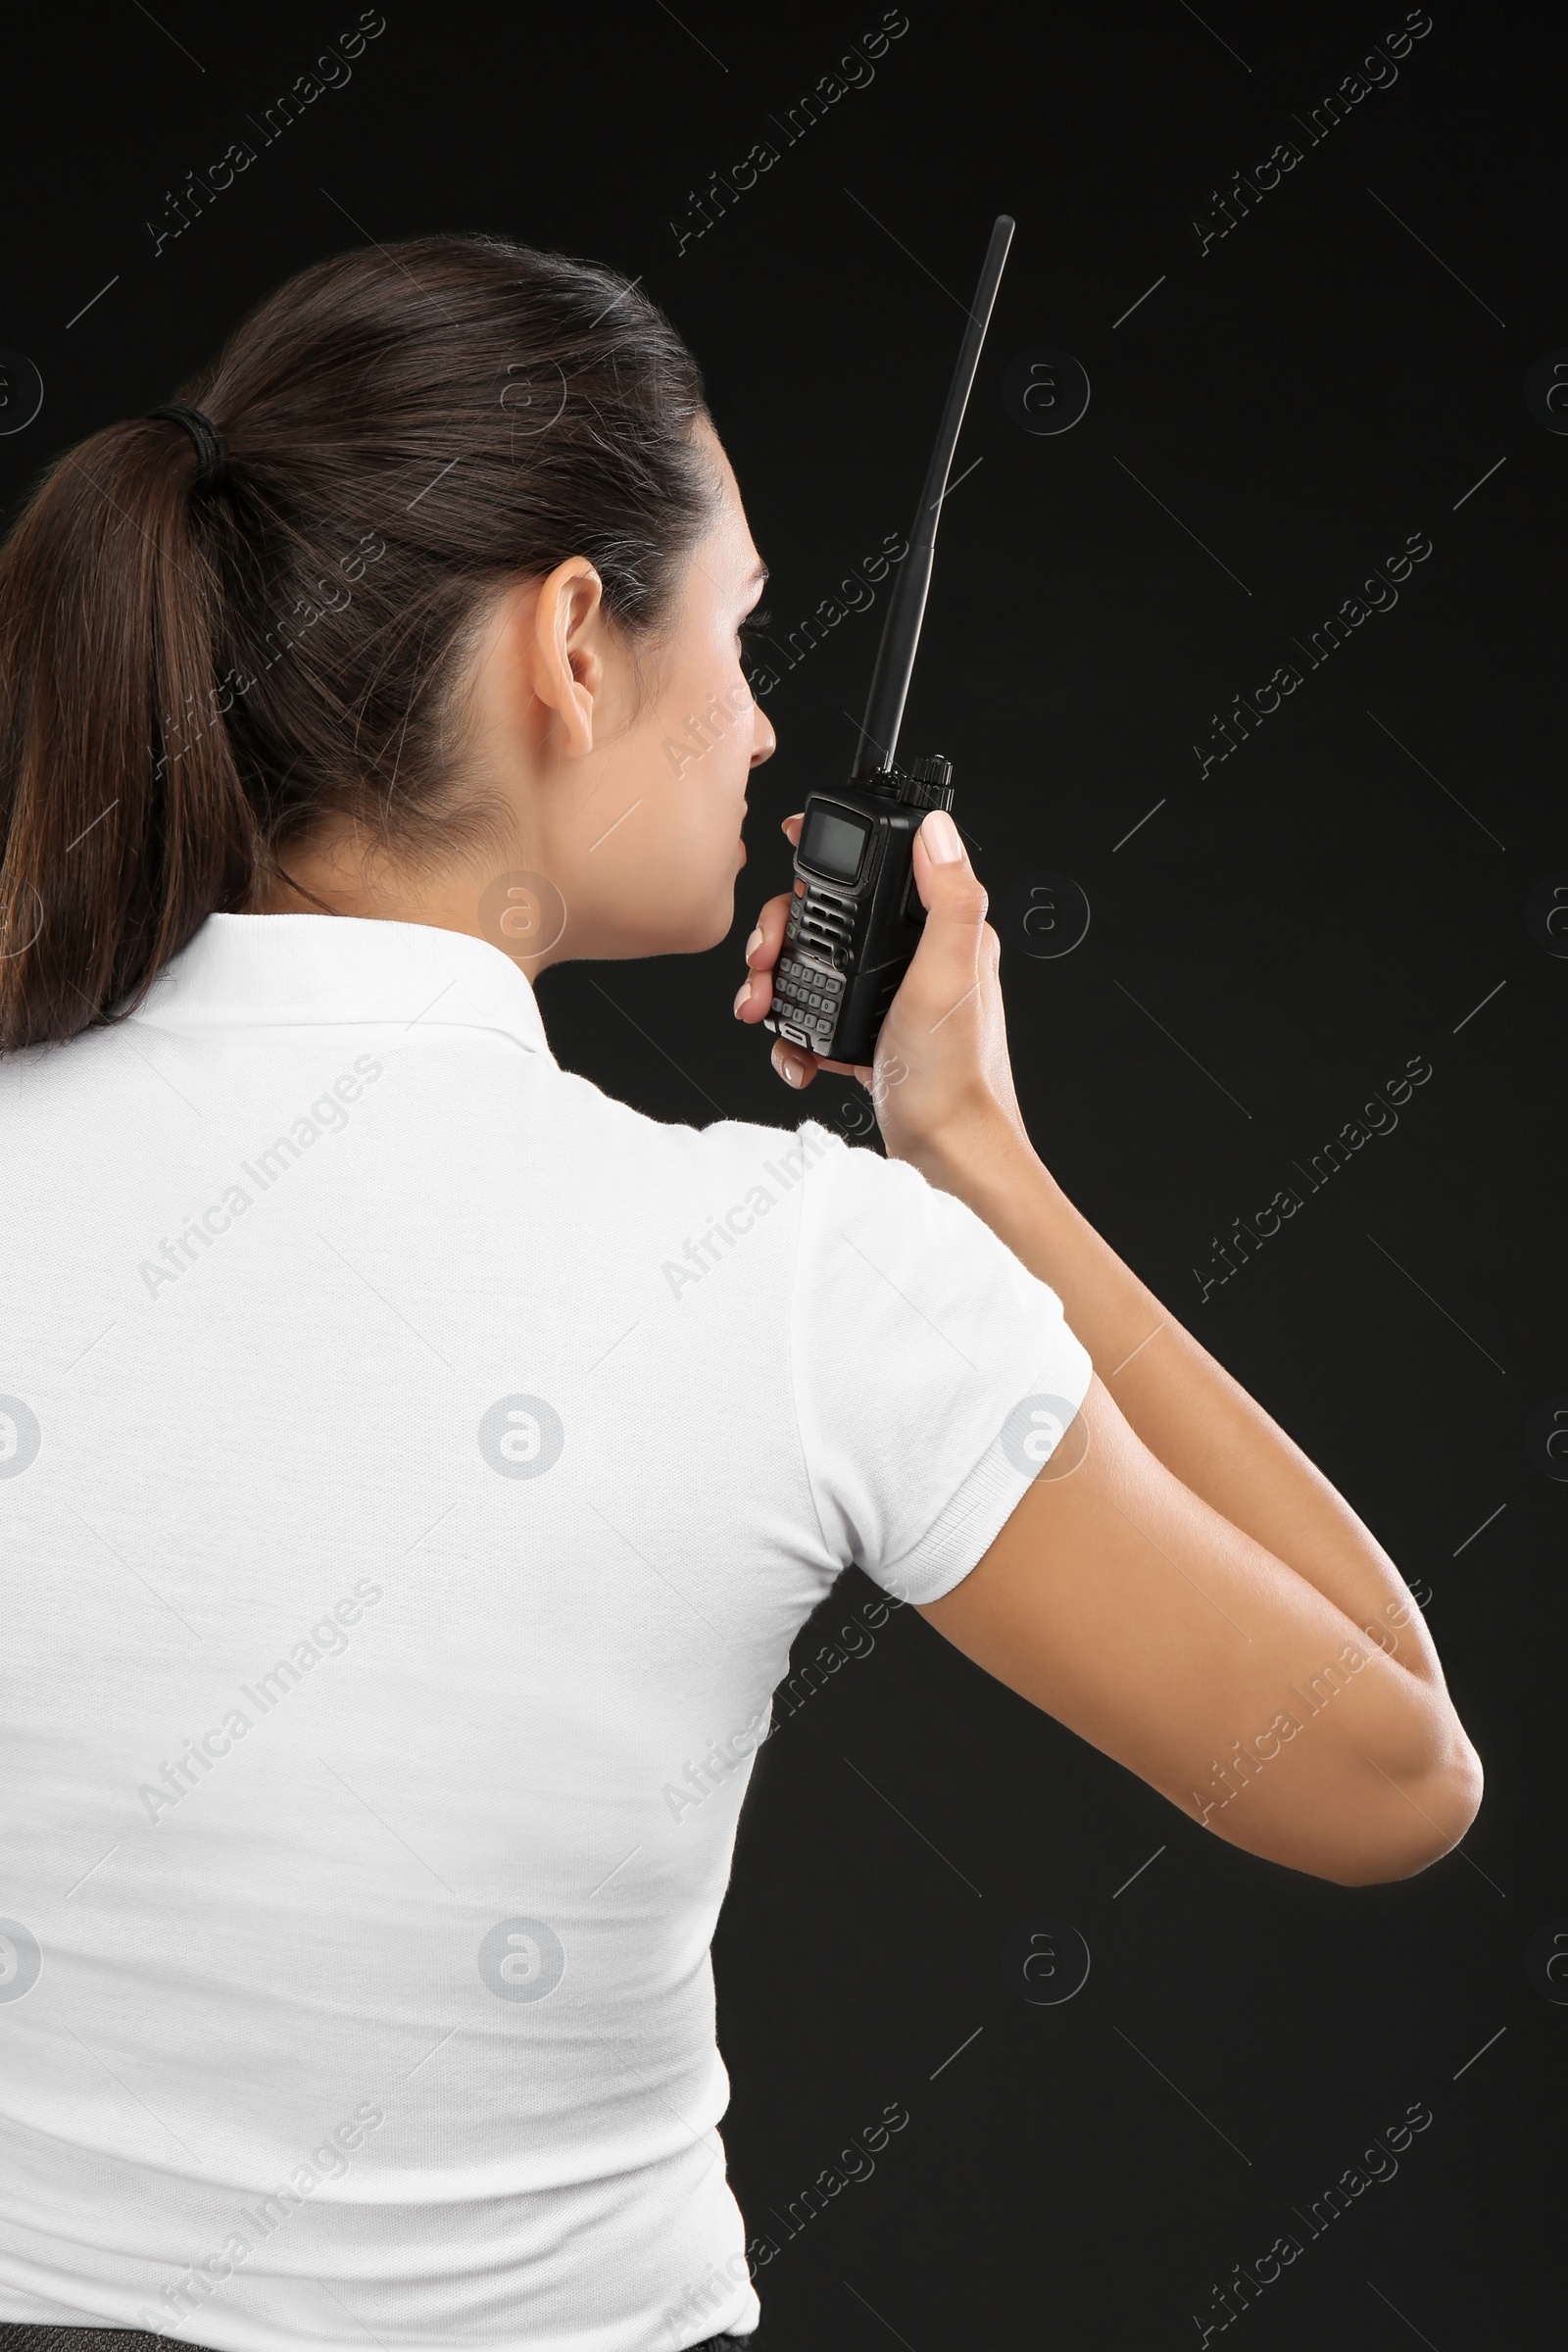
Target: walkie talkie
(855,915)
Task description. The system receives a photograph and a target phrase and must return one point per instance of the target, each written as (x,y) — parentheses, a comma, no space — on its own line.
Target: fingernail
(786,1067)
(754,942)
(940,837)
(742,994)
(786,823)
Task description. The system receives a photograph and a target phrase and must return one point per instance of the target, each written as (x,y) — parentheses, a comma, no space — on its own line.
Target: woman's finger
(754,996)
(795,1064)
(805,1065)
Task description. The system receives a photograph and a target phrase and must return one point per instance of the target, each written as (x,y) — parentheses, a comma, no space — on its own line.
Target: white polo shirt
(414,1468)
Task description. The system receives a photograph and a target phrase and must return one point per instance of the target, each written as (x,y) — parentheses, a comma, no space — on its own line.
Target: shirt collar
(246,971)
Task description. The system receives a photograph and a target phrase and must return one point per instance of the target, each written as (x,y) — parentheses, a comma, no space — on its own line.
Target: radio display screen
(833,843)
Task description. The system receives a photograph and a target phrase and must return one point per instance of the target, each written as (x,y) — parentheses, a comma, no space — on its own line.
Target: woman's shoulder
(824,1202)
(740,1153)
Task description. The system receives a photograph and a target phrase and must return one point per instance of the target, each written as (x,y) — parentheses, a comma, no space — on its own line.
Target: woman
(414,1464)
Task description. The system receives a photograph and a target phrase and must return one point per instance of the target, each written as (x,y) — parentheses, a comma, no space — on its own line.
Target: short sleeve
(933,1373)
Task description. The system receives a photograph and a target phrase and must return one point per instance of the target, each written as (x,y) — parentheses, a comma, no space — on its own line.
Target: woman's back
(422,1465)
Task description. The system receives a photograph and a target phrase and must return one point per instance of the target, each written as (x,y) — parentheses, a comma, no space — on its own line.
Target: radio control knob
(929,781)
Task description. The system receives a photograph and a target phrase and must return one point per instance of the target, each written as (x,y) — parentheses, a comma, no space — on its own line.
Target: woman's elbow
(1423,1817)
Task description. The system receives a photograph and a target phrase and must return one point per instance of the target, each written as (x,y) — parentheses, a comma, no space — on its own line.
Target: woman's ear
(568,669)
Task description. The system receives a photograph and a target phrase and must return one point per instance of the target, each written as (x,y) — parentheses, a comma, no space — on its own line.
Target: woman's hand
(942,1082)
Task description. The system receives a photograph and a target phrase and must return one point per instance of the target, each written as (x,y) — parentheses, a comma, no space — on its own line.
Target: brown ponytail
(190,679)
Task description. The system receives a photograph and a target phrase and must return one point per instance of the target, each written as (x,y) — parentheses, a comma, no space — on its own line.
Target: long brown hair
(192,677)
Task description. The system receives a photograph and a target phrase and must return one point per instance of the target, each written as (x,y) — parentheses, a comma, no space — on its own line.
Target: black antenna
(901,632)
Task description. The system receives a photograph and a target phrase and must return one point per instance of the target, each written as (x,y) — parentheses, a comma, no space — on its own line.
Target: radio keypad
(804,996)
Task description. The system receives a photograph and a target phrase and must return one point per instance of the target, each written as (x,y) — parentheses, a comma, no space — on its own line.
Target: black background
(1278,939)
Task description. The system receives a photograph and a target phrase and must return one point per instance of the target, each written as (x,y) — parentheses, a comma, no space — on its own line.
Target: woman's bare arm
(1180,1584)
(1188,1410)
(1132,1610)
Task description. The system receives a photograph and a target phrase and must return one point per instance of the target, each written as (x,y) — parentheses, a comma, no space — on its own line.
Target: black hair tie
(212,457)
